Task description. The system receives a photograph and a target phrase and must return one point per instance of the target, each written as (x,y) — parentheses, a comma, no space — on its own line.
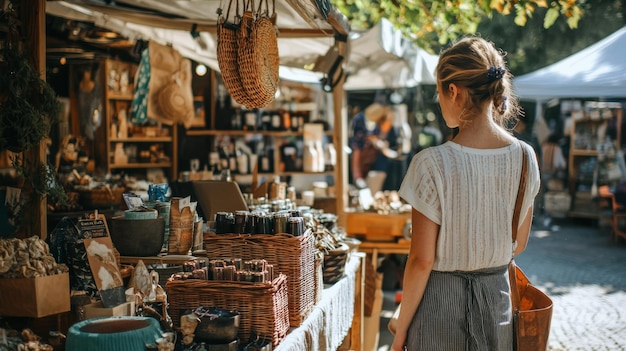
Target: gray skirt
(464,311)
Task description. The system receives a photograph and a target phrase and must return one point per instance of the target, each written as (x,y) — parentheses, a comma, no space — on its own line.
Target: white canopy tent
(303,33)
(597,71)
(383,58)
(378,58)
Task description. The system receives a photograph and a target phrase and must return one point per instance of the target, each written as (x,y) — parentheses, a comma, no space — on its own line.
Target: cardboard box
(98,310)
(35,297)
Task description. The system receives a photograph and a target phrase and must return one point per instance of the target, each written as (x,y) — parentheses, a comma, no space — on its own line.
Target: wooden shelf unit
(587,142)
(118,97)
(216,128)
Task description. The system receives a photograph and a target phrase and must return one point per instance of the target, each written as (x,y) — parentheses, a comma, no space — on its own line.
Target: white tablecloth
(329,322)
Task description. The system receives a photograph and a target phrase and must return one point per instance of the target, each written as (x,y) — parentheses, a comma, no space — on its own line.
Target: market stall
(102,263)
(586,90)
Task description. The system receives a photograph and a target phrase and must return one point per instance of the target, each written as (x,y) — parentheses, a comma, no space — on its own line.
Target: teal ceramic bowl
(113,334)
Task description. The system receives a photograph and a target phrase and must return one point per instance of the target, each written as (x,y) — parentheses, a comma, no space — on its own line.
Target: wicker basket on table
(294,256)
(263,307)
(335,264)
(101,198)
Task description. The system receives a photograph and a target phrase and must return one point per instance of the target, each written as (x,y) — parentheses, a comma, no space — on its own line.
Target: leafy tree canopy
(534,33)
(432,23)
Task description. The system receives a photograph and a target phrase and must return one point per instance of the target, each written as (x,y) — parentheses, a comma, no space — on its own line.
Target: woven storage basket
(335,264)
(293,256)
(263,307)
(258,58)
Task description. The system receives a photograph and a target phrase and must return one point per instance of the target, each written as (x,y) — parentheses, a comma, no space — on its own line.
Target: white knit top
(471,194)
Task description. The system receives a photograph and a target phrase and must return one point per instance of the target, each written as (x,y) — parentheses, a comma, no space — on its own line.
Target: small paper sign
(105,270)
(93,227)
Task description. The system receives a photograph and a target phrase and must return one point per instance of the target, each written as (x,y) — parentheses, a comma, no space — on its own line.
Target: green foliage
(30,105)
(435,23)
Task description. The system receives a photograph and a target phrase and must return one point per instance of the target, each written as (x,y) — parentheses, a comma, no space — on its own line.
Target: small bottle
(263,159)
(286,120)
(224,162)
(266,121)
(275,120)
(243,166)
(235,122)
(295,122)
(330,157)
(320,156)
(250,119)
(309,158)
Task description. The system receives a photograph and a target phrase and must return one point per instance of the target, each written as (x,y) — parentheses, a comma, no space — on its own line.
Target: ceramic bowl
(113,334)
(144,213)
(138,237)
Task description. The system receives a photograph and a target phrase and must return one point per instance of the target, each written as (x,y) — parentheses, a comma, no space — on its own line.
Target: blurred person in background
(374,142)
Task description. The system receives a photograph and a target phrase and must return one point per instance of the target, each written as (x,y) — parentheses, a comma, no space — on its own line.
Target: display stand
(336,318)
(589,154)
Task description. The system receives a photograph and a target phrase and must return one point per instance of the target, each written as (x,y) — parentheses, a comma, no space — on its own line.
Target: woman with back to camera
(463,192)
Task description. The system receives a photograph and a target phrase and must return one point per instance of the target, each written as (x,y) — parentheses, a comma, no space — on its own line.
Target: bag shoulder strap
(515,296)
(521,190)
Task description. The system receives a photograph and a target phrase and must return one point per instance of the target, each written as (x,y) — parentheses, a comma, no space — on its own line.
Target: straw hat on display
(170,98)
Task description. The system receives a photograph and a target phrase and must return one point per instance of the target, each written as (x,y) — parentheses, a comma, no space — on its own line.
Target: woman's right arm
(416,273)
(523,232)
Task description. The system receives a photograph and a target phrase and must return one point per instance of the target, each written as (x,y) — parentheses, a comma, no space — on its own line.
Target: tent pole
(340,140)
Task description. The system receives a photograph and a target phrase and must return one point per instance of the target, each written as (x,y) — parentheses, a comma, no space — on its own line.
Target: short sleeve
(533,179)
(419,187)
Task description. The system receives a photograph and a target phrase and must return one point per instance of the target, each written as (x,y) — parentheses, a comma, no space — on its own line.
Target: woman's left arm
(417,271)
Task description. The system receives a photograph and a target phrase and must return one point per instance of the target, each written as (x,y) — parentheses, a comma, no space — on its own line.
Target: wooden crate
(370,226)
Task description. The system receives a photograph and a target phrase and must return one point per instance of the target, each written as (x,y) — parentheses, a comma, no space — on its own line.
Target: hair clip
(495,73)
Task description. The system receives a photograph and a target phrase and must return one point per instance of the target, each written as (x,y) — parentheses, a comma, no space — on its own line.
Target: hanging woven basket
(227,60)
(258,58)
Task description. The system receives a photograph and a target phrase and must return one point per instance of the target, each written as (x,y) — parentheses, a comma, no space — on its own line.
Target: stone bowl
(138,237)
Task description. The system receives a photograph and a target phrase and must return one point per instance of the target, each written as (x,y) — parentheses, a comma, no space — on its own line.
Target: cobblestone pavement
(584,273)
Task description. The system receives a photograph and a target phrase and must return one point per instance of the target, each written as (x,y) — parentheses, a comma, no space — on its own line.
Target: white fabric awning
(597,71)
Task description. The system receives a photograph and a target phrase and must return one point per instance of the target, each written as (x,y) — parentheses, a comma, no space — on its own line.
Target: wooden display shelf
(371,226)
(274,133)
(583,152)
(140,165)
(145,139)
(164,259)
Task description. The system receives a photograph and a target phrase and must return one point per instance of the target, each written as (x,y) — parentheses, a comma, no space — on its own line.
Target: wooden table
(371,226)
(336,322)
(402,246)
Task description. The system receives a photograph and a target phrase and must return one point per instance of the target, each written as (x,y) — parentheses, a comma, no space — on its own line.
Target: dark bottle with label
(266,121)
(295,121)
(250,118)
(236,120)
(276,120)
(264,158)
(224,162)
